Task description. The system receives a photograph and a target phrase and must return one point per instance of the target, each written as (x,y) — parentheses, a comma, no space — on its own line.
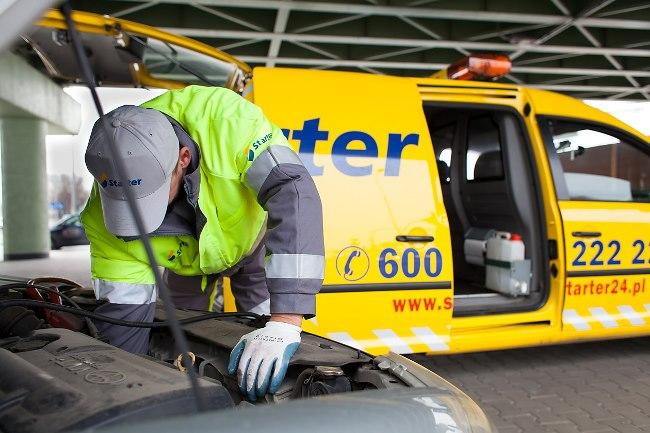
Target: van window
(483,158)
(598,166)
(443,140)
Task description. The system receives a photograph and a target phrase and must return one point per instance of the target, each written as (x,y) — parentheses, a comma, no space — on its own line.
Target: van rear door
(364,139)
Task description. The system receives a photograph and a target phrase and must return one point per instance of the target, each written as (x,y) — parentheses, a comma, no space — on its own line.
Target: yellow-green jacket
(249,181)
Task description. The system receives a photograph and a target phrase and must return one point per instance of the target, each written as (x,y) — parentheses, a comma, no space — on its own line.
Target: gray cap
(148,146)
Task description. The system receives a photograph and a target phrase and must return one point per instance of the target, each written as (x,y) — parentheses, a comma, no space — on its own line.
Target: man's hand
(261,357)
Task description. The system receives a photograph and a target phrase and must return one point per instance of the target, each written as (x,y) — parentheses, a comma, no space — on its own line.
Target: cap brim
(119,220)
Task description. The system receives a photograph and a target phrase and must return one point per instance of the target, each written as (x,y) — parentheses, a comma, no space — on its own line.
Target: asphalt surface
(72,263)
(587,387)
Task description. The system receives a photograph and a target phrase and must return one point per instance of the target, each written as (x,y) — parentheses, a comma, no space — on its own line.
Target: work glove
(261,358)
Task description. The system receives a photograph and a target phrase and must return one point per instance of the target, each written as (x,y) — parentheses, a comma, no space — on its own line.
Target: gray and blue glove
(261,358)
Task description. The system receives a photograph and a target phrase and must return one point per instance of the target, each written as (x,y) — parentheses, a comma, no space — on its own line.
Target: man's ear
(184,157)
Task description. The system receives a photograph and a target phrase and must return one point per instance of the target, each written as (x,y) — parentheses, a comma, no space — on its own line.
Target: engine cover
(64,380)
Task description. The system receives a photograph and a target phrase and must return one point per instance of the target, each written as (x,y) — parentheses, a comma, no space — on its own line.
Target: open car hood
(128,54)
(16,15)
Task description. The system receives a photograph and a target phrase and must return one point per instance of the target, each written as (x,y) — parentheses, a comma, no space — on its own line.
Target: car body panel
(405,410)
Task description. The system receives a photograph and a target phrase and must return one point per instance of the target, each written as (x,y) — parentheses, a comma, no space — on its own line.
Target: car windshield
(171,62)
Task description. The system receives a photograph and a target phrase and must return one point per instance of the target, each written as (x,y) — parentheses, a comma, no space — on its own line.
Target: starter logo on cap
(104,181)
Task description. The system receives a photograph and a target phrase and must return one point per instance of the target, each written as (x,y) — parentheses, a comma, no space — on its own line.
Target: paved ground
(589,387)
(592,387)
(69,262)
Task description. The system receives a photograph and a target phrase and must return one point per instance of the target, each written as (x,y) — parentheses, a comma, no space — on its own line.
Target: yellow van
(459,215)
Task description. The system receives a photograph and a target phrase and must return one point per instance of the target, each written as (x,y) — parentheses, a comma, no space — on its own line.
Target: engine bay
(59,374)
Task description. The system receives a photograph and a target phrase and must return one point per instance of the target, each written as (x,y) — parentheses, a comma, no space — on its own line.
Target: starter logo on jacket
(250,150)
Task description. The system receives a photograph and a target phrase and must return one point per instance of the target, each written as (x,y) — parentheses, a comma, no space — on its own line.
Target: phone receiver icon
(347,270)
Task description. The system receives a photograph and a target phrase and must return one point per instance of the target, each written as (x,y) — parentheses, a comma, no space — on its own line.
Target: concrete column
(31,106)
(24,188)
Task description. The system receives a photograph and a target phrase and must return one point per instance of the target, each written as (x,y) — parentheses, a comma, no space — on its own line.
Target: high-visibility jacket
(249,180)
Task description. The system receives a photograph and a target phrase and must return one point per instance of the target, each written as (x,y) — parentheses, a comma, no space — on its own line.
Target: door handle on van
(586,234)
(407,238)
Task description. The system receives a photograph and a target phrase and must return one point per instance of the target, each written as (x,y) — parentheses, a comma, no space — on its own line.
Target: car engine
(55,376)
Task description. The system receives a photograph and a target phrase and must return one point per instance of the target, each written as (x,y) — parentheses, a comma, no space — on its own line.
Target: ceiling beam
(136,8)
(544,59)
(581,88)
(464,15)
(280,26)
(504,32)
(394,53)
(612,60)
(570,22)
(622,95)
(397,42)
(238,44)
(595,42)
(623,10)
(330,55)
(228,17)
(329,23)
(568,56)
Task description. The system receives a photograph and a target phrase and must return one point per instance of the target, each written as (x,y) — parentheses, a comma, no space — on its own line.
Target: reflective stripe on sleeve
(263,307)
(124,293)
(303,266)
(266,161)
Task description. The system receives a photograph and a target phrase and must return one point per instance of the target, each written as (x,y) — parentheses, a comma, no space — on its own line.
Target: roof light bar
(478,67)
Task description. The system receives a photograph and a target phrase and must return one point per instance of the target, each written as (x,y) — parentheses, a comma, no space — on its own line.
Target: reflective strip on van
(402,344)
(624,316)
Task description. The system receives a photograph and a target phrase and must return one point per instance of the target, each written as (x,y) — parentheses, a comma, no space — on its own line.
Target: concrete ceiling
(589,49)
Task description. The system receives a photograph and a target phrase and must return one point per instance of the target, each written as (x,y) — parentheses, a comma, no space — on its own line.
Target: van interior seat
(489,166)
(493,192)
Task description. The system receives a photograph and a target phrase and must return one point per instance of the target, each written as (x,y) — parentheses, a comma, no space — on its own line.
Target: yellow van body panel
(394,295)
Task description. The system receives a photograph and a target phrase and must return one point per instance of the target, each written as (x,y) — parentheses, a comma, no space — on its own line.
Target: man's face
(184,158)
